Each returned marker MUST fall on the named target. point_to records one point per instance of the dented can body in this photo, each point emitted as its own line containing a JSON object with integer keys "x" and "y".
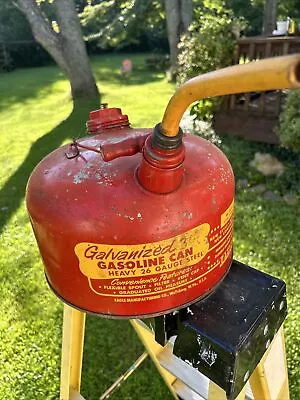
{"x": 114, "y": 248}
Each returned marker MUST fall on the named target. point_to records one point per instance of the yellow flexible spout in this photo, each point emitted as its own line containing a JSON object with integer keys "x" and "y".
{"x": 269, "y": 74}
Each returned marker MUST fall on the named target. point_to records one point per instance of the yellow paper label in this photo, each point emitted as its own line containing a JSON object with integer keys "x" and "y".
{"x": 143, "y": 272}
{"x": 102, "y": 261}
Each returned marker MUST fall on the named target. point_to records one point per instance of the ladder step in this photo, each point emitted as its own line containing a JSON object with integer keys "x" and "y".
{"x": 184, "y": 392}
{"x": 188, "y": 375}
{"x": 190, "y": 382}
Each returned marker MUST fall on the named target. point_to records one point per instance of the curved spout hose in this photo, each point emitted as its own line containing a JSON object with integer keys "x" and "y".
{"x": 268, "y": 74}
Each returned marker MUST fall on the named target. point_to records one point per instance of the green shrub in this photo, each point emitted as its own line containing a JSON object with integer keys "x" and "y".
{"x": 207, "y": 46}
{"x": 289, "y": 122}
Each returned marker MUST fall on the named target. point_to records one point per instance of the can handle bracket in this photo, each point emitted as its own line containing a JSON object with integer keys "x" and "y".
{"x": 111, "y": 150}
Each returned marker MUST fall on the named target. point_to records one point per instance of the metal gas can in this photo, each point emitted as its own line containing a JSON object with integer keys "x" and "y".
{"x": 139, "y": 222}
{"x": 128, "y": 226}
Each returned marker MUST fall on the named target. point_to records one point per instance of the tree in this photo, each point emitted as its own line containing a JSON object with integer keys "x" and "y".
{"x": 117, "y": 24}
{"x": 179, "y": 15}
{"x": 64, "y": 44}
{"x": 270, "y": 14}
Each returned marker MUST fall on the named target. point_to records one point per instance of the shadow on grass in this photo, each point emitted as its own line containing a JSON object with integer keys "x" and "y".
{"x": 13, "y": 191}
{"x": 23, "y": 84}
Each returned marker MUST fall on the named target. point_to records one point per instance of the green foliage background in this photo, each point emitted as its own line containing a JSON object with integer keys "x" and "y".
{"x": 139, "y": 25}
{"x": 116, "y": 25}
{"x": 289, "y": 129}
{"x": 209, "y": 43}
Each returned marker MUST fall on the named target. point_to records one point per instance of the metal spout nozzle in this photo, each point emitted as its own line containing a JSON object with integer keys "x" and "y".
{"x": 268, "y": 74}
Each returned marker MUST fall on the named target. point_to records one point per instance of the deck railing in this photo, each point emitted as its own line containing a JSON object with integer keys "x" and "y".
{"x": 254, "y": 48}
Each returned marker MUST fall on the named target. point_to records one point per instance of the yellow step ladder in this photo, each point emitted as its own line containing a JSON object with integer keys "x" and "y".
{"x": 268, "y": 380}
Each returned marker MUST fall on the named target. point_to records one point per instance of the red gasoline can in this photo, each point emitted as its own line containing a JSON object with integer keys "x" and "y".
{"x": 129, "y": 224}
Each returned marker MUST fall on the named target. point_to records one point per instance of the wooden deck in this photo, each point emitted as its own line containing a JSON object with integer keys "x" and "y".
{"x": 254, "y": 116}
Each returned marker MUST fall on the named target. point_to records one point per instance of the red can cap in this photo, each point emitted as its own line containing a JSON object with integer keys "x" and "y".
{"x": 106, "y": 118}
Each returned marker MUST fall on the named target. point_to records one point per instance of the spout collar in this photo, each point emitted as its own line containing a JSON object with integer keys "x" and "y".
{"x": 163, "y": 142}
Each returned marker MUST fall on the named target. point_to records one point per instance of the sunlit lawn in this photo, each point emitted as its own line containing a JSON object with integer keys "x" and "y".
{"x": 33, "y": 104}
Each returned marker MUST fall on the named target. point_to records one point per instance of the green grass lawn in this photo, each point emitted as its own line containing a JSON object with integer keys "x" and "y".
{"x": 36, "y": 116}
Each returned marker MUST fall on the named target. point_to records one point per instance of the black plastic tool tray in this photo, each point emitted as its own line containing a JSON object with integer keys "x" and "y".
{"x": 225, "y": 335}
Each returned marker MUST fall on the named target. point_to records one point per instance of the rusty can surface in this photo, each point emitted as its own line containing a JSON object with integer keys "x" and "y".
{"x": 137, "y": 230}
